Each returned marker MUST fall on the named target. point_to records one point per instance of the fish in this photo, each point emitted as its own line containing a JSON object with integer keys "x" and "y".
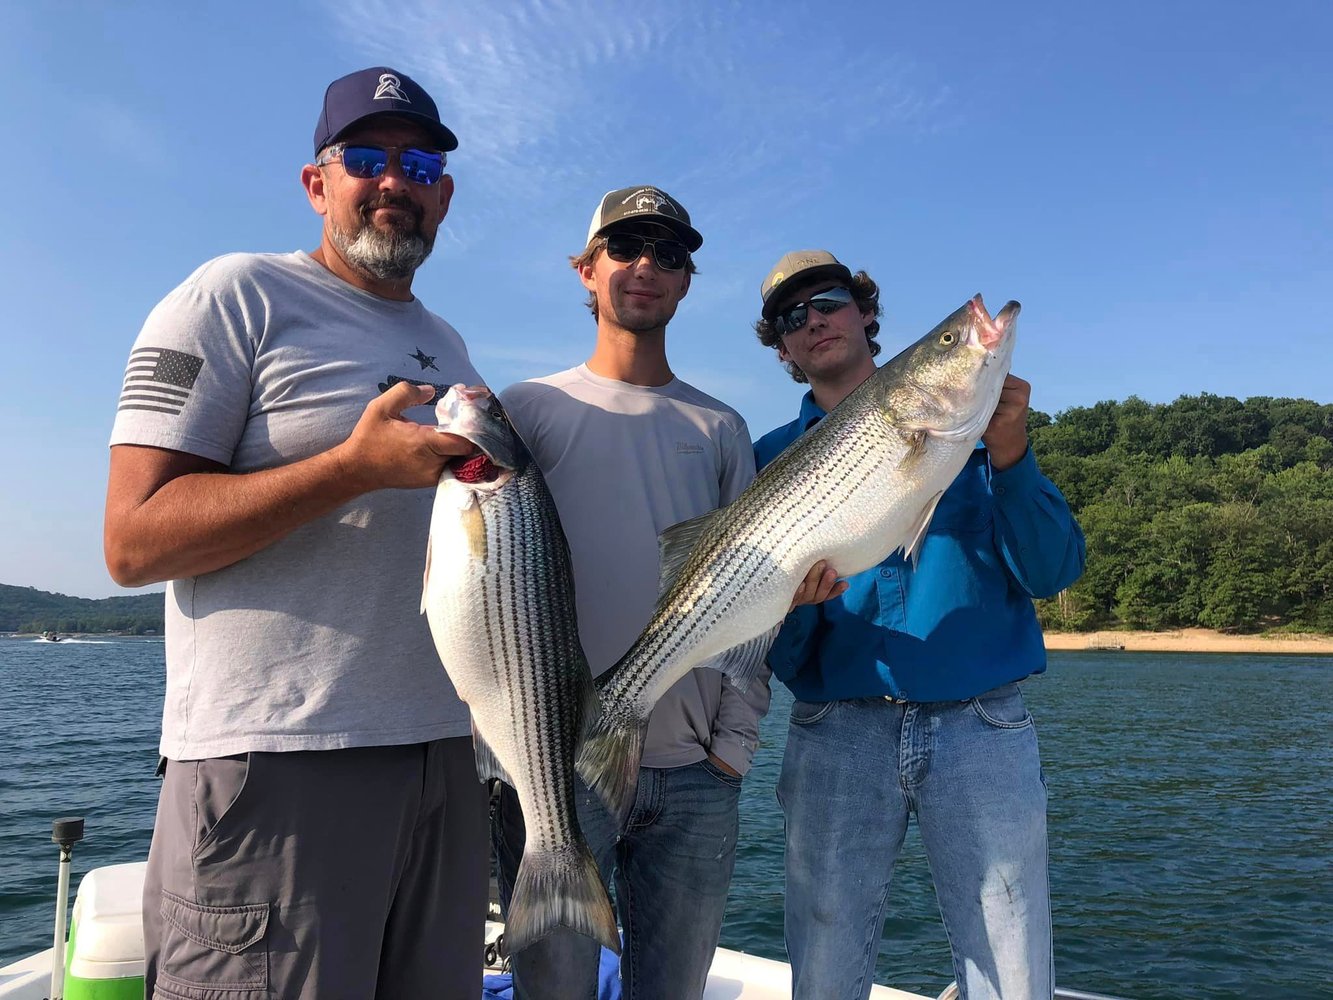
{"x": 859, "y": 485}
{"x": 498, "y": 593}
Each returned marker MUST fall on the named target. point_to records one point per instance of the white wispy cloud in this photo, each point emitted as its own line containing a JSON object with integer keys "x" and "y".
{"x": 719, "y": 101}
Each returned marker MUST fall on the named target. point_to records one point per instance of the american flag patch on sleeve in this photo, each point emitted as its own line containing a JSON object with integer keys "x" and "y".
{"x": 159, "y": 380}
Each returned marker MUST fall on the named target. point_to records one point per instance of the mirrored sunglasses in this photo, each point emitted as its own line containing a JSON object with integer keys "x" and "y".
{"x": 626, "y": 248}
{"x": 825, "y": 303}
{"x": 421, "y": 166}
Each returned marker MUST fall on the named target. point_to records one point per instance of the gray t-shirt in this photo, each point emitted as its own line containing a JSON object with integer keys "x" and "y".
{"x": 315, "y": 642}
{"x": 625, "y": 462}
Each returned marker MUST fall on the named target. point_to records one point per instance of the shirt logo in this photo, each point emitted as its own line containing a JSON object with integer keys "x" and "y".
{"x": 390, "y": 88}
{"x": 686, "y": 448}
{"x": 392, "y": 380}
{"x": 159, "y": 380}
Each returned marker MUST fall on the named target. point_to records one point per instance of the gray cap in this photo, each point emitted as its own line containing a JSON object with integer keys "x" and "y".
{"x": 804, "y": 264}
{"x": 647, "y": 203}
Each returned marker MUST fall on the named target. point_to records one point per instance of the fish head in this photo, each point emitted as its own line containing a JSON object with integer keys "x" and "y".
{"x": 475, "y": 414}
{"x": 948, "y": 383}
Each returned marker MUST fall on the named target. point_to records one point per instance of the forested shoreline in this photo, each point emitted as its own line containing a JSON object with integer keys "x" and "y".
{"x": 26, "y": 609}
{"x": 1206, "y": 512}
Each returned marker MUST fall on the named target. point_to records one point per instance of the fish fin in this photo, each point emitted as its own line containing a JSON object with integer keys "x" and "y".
{"x": 560, "y": 888}
{"x": 609, "y": 763}
{"x": 742, "y": 662}
{"x": 912, "y": 548}
{"x": 425, "y": 577}
{"x": 916, "y": 447}
{"x": 590, "y": 704}
{"x": 474, "y": 526}
{"x": 674, "y": 547}
{"x": 488, "y": 765}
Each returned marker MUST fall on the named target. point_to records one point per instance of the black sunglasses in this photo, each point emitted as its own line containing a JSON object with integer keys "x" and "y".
{"x": 421, "y": 166}
{"x": 825, "y": 303}
{"x": 626, "y": 248}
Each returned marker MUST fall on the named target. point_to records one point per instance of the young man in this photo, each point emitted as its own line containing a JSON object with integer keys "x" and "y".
{"x": 907, "y": 700}
{"x": 629, "y": 450}
{"x": 321, "y": 830}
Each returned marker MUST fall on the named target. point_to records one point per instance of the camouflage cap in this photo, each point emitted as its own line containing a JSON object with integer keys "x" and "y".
{"x": 647, "y": 203}
{"x": 805, "y": 264}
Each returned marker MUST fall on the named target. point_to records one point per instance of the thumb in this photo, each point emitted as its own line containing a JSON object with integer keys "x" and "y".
{"x": 403, "y": 394}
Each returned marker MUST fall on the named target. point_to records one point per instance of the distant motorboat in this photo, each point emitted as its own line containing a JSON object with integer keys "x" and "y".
{"x": 50, "y": 636}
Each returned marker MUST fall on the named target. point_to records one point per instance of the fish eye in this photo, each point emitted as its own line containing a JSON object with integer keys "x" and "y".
{"x": 947, "y": 338}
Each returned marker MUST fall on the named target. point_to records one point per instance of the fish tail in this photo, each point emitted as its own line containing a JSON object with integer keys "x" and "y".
{"x": 609, "y": 763}
{"x": 560, "y": 888}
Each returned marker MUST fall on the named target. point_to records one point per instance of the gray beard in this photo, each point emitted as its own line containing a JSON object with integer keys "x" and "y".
{"x": 389, "y": 256}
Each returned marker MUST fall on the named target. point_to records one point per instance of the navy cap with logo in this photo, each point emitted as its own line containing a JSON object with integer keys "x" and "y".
{"x": 378, "y": 91}
{"x": 808, "y": 265}
{"x": 644, "y": 204}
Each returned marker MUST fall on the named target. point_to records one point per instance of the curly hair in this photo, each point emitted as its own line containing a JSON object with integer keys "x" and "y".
{"x": 865, "y": 294}
{"x": 590, "y": 254}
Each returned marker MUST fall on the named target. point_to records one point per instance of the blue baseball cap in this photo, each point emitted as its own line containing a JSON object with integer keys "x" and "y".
{"x": 378, "y": 91}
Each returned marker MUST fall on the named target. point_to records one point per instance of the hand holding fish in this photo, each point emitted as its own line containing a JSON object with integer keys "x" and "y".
{"x": 385, "y": 451}
{"x": 1006, "y": 437}
{"x": 820, "y": 584}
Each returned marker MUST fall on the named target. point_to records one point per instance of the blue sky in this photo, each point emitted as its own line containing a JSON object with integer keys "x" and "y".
{"x": 1150, "y": 179}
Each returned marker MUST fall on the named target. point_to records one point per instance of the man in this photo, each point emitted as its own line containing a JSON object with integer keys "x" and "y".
{"x": 321, "y": 830}
{"x": 906, "y": 690}
{"x": 628, "y": 450}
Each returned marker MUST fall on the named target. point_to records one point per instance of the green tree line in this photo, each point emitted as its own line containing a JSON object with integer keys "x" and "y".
{"x": 26, "y": 609}
{"x": 1207, "y": 511}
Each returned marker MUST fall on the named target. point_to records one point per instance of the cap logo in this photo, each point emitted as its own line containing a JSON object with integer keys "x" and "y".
{"x": 807, "y": 261}
{"x": 776, "y": 280}
{"x": 390, "y": 88}
{"x": 650, "y": 200}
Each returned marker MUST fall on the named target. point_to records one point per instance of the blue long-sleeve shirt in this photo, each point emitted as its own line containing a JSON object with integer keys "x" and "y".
{"x": 962, "y": 621}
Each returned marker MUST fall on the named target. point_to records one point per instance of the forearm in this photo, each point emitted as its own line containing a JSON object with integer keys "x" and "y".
{"x": 1036, "y": 533}
{"x": 171, "y": 515}
{"x": 204, "y": 521}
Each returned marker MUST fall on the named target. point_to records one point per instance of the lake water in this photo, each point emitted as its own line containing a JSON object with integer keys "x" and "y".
{"x": 1190, "y": 804}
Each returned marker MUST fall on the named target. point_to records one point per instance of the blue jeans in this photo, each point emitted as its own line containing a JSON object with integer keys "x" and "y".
{"x": 852, "y": 773}
{"x": 671, "y": 868}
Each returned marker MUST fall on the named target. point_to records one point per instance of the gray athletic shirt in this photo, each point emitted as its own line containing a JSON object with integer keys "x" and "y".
{"x": 625, "y": 462}
{"x": 315, "y": 642}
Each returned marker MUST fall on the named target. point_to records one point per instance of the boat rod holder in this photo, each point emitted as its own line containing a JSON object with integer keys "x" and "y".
{"x": 65, "y": 832}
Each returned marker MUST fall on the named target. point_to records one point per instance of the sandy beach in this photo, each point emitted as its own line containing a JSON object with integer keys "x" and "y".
{"x": 1190, "y": 640}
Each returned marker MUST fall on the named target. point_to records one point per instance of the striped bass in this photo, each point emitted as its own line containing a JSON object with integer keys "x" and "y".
{"x": 856, "y": 487}
{"x": 499, "y": 596}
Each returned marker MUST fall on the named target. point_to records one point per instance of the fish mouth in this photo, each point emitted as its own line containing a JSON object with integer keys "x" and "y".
{"x": 990, "y": 333}
{"x": 474, "y": 469}
{"x": 470, "y": 413}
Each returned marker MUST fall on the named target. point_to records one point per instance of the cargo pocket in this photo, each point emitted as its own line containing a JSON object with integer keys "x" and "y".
{"x": 208, "y": 950}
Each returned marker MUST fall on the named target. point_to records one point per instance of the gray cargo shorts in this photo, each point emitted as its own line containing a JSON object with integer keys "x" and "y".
{"x": 352, "y": 873}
